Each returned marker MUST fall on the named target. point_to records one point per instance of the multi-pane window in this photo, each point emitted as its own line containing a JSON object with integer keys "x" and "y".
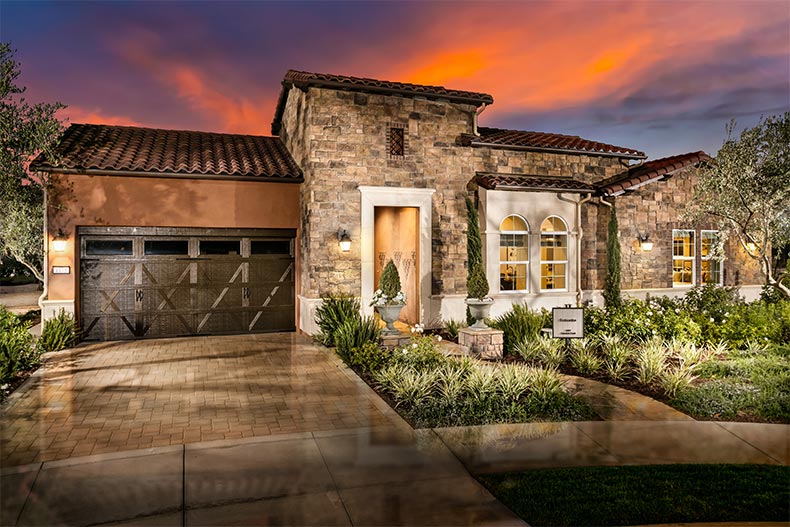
{"x": 553, "y": 254}
{"x": 682, "y": 257}
{"x": 513, "y": 254}
{"x": 710, "y": 266}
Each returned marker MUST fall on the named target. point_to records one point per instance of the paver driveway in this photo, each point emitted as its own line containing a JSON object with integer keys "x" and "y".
{"x": 117, "y": 396}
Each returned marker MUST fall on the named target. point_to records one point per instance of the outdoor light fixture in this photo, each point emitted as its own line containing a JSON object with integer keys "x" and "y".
{"x": 644, "y": 243}
{"x": 344, "y": 240}
{"x": 751, "y": 246}
{"x": 59, "y": 242}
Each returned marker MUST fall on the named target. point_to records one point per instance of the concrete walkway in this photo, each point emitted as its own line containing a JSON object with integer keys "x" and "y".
{"x": 21, "y": 298}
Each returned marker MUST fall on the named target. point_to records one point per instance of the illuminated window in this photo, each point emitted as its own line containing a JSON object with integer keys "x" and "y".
{"x": 513, "y": 254}
{"x": 710, "y": 266}
{"x": 553, "y": 254}
{"x": 682, "y": 257}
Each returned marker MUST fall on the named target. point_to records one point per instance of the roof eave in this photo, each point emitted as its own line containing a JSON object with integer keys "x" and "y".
{"x": 169, "y": 175}
{"x": 557, "y": 150}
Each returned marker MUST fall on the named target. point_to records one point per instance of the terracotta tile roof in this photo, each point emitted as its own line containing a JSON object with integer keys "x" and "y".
{"x": 304, "y": 79}
{"x": 522, "y": 140}
{"x": 493, "y": 181}
{"x": 654, "y": 170}
{"x": 92, "y": 148}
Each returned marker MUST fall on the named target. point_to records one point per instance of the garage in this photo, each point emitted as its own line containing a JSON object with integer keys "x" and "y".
{"x": 149, "y": 282}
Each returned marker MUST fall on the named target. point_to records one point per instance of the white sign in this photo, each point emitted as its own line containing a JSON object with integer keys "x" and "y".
{"x": 568, "y": 322}
{"x": 61, "y": 269}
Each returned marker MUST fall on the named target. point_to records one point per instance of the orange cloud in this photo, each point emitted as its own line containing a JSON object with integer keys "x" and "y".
{"x": 543, "y": 56}
{"x": 78, "y": 114}
{"x": 201, "y": 90}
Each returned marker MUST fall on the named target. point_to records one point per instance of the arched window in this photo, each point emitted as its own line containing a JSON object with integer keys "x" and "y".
{"x": 513, "y": 254}
{"x": 553, "y": 254}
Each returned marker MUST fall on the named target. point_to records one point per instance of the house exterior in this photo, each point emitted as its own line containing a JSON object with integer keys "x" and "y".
{"x": 173, "y": 232}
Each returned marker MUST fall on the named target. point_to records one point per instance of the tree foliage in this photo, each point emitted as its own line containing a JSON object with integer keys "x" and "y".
{"x": 25, "y": 131}
{"x": 746, "y": 193}
{"x": 611, "y": 292}
{"x": 476, "y": 281}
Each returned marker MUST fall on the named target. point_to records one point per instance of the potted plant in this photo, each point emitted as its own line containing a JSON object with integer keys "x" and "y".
{"x": 388, "y": 298}
{"x": 477, "y": 299}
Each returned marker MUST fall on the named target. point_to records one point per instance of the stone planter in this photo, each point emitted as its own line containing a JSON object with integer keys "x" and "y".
{"x": 479, "y": 309}
{"x": 389, "y": 314}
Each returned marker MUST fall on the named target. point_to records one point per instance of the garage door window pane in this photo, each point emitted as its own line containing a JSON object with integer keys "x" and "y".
{"x": 108, "y": 247}
{"x": 166, "y": 247}
{"x": 220, "y": 247}
{"x": 270, "y": 247}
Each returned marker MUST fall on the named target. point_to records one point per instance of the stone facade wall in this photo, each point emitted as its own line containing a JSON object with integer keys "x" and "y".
{"x": 655, "y": 209}
{"x": 340, "y": 141}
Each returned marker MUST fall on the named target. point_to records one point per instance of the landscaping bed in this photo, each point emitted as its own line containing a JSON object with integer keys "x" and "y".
{"x": 710, "y": 354}
{"x": 430, "y": 389}
{"x": 649, "y": 494}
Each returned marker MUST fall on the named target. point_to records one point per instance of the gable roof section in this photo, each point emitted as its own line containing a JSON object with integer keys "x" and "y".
{"x": 494, "y": 181}
{"x": 305, "y": 79}
{"x": 650, "y": 171}
{"x": 128, "y": 150}
{"x": 542, "y": 141}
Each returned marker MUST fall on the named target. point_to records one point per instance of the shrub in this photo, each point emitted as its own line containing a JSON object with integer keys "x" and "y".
{"x": 421, "y": 354}
{"x": 452, "y": 327}
{"x": 616, "y": 354}
{"x": 370, "y": 357}
{"x": 551, "y": 351}
{"x": 477, "y": 283}
{"x": 354, "y": 333}
{"x": 584, "y": 357}
{"x": 390, "y": 280}
{"x": 17, "y": 352}
{"x": 334, "y": 310}
{"x": 650, "y": 361}
{"x": 673, "y": 380}
{"x": 520, "y": 324}
{"x": 58, "y": 333}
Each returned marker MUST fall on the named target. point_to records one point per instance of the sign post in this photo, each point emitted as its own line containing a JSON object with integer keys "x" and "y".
{"x": 567, "y": 322}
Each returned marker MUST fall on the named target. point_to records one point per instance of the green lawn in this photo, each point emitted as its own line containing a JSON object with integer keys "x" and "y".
{"x": 650, "y": 494}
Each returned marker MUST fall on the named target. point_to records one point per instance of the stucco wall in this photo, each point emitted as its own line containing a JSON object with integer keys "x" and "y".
{"x": 81, "y": 200}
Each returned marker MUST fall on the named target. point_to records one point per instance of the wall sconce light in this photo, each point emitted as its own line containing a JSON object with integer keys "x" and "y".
{"x": 644, "y": 243}
{"x": 751, "y": 247}
{"x": 344, "y": 240}
{"x": 59, "y": 241}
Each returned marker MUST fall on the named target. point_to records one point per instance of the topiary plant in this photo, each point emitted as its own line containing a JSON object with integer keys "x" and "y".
{"x": 390, "y": 280}
{"x": 477, "y": 284}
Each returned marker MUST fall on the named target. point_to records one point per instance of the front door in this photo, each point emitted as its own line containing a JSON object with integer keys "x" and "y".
{"x": 397, "y": 237}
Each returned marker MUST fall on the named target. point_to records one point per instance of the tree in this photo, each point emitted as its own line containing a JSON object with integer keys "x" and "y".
{"x": 611, "y": 292}
{"x": 25, "y": 131}
{"x": 746, "y": 193}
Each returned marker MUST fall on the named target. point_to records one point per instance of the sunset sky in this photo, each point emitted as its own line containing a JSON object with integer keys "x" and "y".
{"x": 663, "y": 77}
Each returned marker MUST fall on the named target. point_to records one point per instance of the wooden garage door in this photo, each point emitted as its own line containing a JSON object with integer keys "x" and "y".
{"x": 165, "y": 282}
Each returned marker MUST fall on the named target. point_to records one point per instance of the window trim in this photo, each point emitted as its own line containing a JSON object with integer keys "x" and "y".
{"x": 692, "y": 259}
{"x": 565, "y": 233}
{"x": 709, "y": 258}
{"x": 526, "y": 233}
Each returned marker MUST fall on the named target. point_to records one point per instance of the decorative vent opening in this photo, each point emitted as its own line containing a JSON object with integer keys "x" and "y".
{"x": 397, "y": 140}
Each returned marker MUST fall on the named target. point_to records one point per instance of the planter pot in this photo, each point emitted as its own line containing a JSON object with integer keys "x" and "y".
{"x": 389, "y": 314}
{"x": 479, "y": 309}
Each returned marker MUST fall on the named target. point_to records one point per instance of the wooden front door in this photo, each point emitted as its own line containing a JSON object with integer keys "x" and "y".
{"x": 397, "y": 237}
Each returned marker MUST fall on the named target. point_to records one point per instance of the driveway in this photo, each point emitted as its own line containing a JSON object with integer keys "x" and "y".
{"x": 242, "y": 430}
{"x": 118, "y": 396}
